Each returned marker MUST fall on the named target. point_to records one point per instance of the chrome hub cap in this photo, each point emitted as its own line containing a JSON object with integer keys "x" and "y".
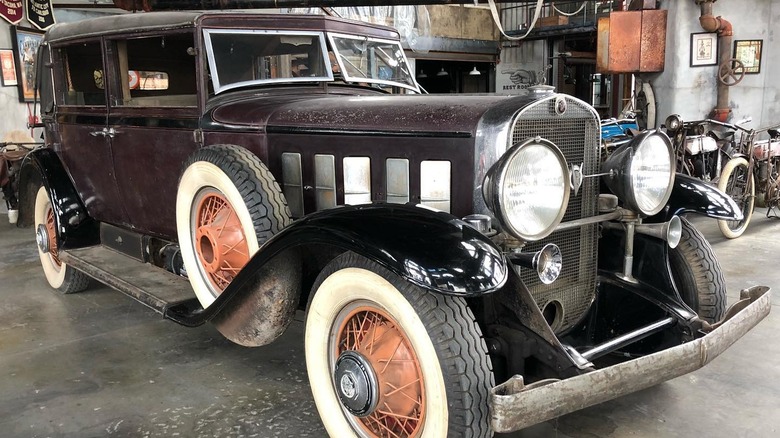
{"x": 356, "y": 384}
{"x": 42, "y": 238}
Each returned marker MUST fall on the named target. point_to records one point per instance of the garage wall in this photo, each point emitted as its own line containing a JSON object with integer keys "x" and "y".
{"x": 691, "y": 91}
{"x": 14, "y": 114}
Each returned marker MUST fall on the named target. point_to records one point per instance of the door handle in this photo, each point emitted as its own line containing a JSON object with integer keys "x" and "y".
{"x": 105, "y": 132}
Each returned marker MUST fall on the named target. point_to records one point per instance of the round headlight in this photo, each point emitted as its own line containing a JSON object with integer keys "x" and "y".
{"x": 652, "y": 172}
{"x": 641, "y": 172}
{"x": 528, "y": 189}
{"x": 673, "y": 123}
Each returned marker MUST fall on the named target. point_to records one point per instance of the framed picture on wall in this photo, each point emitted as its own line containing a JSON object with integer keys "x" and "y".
{"x": 749, "y": 52}
{"x": 8, "y": 67}
{"x": 25, "y": 42}
{"x": 704, "y": 49}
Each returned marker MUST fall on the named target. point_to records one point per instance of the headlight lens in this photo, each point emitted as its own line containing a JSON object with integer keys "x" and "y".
{"x": 641, "y": 173}
{"x": 673, "y": 123}
{"x": 651, "y": 172}
{"x": 528, "y": 189}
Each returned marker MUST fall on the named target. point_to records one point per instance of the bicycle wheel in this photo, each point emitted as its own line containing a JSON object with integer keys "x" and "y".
{"x": 736, "y": 183}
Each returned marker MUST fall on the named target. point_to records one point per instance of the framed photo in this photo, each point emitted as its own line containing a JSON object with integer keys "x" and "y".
{"x": 749, "y": 52}
{"x": 704, "y": 49}
{"x": 8, "y": 67}
{"x": 25, "y": 42}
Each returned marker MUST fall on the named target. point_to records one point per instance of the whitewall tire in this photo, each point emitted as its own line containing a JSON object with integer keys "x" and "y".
{"x": 60, "y": 276}
{"x": 227, "y": 205}
{"x": 362, "y": 317}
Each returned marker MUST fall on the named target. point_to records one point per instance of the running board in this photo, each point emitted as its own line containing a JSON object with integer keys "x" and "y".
{"x": 152, "y": 286}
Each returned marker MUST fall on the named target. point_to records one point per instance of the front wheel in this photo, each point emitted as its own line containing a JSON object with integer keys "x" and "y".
{"x": 698, "y": 275}
{"x": 60, "y": 276}
{"x": 735, "y": 182}
{"x": 386, "y": 358}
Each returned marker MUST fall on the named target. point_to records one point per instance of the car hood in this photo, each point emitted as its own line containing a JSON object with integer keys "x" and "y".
{"x": 385, "y": 113}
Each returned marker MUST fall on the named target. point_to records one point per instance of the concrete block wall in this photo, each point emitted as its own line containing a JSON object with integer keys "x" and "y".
{"x": 691, "y": 91}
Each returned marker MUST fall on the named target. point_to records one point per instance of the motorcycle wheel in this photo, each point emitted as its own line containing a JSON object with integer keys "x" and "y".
{"x": 735, "y": 182}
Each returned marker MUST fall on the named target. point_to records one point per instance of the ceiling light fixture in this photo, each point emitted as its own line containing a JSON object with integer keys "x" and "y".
{"x": 442, "y": 73}
{"x": 474, "y": 72}
{"x": 422, "y": 74}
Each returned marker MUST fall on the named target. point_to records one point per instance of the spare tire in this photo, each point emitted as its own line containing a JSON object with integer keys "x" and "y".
{"x": 228, "y": 204}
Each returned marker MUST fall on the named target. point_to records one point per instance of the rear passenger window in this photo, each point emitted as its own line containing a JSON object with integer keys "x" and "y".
{"x": 157, "y": 71}
{"x": 83, "y": 75}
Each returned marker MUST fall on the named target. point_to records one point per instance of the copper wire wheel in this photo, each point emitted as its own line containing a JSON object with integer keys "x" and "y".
{"x": 52, "y": 232}
{"x": 400, "y": 411}
{"x": 219, "y": 240}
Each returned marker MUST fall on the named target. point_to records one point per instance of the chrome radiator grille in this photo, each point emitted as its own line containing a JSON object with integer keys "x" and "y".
{"x": 576, "y": 133}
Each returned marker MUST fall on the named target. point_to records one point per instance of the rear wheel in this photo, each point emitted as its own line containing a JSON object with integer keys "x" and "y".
{"x": 735, "y": 182}
{"x": 388, "y": 359}
{"x": 227, "y": 205}
{"x": 60, "y": 276}
{"x": 698, "y": 275}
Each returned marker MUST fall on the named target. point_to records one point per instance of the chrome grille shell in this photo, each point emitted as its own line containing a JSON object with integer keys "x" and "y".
{"x": 576, "y": 133}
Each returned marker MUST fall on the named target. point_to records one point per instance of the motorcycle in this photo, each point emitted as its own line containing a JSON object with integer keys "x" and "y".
{"x": 11, "y": 156}
{"x": 752, "y": 178}
{"x": 703, "y": 147}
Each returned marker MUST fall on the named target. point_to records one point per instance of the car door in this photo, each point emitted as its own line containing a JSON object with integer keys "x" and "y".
{"x": 81, "y": 113}
{"x": 152, "y": 122}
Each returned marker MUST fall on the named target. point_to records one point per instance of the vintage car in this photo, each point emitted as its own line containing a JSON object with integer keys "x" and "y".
{"x": 467, "y": 264}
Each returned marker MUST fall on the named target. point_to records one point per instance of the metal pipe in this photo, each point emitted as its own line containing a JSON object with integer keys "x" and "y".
{"x": 615, "y": 215}
{"x": 628, "y": 257}
{"x": 725, "y": 30}
{"x": 628, "y": 338}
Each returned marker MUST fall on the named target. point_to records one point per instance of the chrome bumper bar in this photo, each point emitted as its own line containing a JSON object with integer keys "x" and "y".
{"x": 514, "y": 405}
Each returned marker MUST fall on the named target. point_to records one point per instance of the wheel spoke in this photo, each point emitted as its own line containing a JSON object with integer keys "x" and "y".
{"x": 221, "y": 243}
{"x": 381, "y": 341}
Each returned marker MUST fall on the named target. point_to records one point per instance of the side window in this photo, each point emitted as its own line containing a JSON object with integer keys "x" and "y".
{"x": 157, "y": 71}
{"x": 81, "y": 75}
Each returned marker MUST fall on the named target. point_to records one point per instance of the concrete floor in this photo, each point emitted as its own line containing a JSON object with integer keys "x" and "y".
{"x": 98, "y": 364}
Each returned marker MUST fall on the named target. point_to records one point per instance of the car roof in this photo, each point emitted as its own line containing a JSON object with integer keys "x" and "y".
{"x": 156, "y": 21}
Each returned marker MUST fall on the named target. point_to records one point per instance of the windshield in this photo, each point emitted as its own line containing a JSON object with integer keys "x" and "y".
{"x": 372, "y": 60}
{"x": 239, "y": 58}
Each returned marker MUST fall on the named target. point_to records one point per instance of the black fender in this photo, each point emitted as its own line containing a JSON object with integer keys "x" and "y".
{"x": 692, "y": 195}
{"x": 433, "y": 250}
{"x": 75, "y": 228}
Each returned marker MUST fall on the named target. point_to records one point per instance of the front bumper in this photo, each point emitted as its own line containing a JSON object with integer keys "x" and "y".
{"x": 514, "y": 405}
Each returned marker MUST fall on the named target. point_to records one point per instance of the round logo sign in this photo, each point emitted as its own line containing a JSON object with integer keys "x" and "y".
{"x": 560, "y": 105}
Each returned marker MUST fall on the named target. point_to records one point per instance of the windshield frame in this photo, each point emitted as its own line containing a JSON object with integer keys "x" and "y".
{"x": 212, "y": 61}
{"x": 347, "y": 77}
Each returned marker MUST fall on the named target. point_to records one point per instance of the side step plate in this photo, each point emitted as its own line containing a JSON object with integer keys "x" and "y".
{"x": 150, "y": 285}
